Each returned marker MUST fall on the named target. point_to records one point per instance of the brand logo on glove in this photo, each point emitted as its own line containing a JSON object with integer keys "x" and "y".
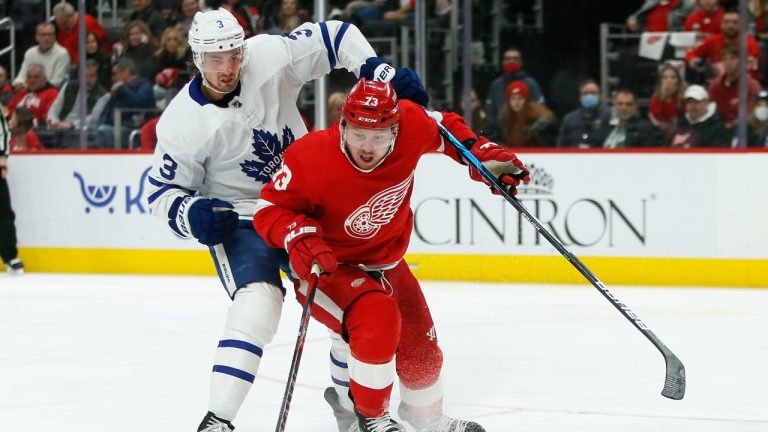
{"x": 357, "y": 282}
{"x": 384, "y": 73}
{"x": 366, "y": 221}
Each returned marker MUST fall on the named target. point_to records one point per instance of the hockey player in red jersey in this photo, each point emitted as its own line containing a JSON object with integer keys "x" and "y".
{"x": 341, "y": 200}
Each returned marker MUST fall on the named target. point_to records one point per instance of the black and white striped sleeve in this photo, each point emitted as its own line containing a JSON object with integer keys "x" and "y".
{"x": 5, "y": 136}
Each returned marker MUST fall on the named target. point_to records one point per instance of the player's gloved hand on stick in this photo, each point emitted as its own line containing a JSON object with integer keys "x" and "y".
{"x": 305, "y": 245}
{"x": 211, "y": 220}
{"x": 405, "y": 81}
{"x": 502, "y": 163}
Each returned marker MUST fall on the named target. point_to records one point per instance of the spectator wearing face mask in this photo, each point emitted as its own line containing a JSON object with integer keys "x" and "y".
{"x": 757, "y": 135}
{"x": 587, "y": 126}
{"x": 512, "y": 66}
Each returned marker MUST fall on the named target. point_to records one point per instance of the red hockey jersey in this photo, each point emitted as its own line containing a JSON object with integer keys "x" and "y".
{"x": 366, "y": 217}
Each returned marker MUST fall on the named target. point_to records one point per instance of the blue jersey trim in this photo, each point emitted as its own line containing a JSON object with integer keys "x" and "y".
{"x": 173, "y": 212}
{"x": 196, "y": 93}
{"x": 340, "y": 382}
{"x": 339, "y": 36}
{"x": 237, "y": 373}
{"x": 328, "y": 47}
{"x": 243, "y": 345}
{"x": 338, "y": 363}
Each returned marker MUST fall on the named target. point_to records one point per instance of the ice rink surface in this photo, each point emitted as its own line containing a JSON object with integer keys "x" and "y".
{"x": 126, "y": 354}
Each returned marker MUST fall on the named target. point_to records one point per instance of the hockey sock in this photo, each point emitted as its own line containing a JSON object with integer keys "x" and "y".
{"x": 251, "y": 323}
{"x": 340, "y": 370}
{"x": 373, "y": 325}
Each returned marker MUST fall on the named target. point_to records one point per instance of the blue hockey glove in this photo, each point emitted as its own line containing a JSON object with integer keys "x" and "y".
{"x": 405, "y": 81}
{"x": 211, "y": 220}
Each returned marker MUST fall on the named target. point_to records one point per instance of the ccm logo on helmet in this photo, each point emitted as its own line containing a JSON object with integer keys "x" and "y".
{"x": 367, "y": 120}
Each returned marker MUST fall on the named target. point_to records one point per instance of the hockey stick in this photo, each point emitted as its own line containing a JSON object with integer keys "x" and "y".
{"x": 297, "y": 351}
{"x": 674, "y": 385}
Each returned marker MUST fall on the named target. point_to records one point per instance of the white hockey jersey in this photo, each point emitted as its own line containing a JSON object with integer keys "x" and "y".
{"x": 229, "y": 149}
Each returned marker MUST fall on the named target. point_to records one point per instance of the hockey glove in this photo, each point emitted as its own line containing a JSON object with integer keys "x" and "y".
{"x": 211, "y": 220}
{"x": 502, "y": 163}
{"x": 305, "y": 245}
{"x": 405, "y": 81}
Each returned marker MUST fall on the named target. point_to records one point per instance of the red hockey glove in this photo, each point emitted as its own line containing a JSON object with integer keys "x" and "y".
{"x": 502, "y": 163}
{"x": 305, "y": 245}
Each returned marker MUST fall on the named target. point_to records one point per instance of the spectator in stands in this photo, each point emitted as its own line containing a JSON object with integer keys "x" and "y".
{"x": 628, "y": 128}
{"x": 288, "y": 18}
{"x": 130, "y": 90}
{"x": 6, "y": 90}
{"x": 525, "y": 123}
{"x": 172, "y": 52}
{"x": 659, "y": 16}
{"x": 667, "y": 100}
{"x": 512, "y": 66}
{"x": 8, "y": 251}
{"x": 22, "y": 127}
{"x": 153, "y": 19}
{"x": 710, "y": 48}
{"x": 243, "y": 15}
{"x": 64, "y": 115}
{"x": 335, "y": 102}
{"x": 37, "y": 96}
{"x": 759, "y": 11}
{"x": 139, "y": 45}
{"x": 94, "y": 52}
{"x": 149, "y": 135}
{"x": 702, "y": 125}
{"x": 758, "y": 122}
{"x": 724, "y": 90}
{"x": 53, "y": 57}
{"x": 186, "y": 14}
{"x": 587, "y": 126}
{"x": 706, "y": 18}
{"x": 67, "y": 21}
{"x": 479, "y": 117}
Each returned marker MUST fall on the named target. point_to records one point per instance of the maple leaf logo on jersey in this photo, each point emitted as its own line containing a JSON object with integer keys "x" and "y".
{"x": 268, "y": 150}
{"x": 366, "y": 221}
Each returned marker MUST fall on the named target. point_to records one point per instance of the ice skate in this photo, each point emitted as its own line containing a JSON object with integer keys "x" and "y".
{"x": 211, "y": 423}
{"x": 15, "y": 267}
{"x": 344, "y": 418}
{"x": 442, "y": 423}
{"x": 376, "y": 424}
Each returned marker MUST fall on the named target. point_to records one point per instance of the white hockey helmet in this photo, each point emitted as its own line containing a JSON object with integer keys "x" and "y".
{"x": 215, "y": 30}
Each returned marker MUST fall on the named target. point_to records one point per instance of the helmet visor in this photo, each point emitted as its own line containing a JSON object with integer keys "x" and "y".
{"x": 222, "y": 61}
{"x": 358, "y": 138}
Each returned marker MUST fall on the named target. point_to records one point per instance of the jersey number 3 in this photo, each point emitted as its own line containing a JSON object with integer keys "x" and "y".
{"x": 168, "y": 171}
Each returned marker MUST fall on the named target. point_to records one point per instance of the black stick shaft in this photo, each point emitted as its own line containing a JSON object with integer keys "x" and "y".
{"x": 297, "y": 352}
{"x": 674, "y": 386}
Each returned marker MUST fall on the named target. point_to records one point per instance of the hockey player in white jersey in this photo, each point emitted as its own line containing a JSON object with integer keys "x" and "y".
{"x": 219, "y": 142}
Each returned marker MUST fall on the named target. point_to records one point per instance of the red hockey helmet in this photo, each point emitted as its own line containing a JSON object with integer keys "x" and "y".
{"x": 371, "y": 105}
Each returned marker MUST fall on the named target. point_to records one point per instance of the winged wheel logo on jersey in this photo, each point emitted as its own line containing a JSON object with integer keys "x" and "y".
{"x": 367, "y": 219}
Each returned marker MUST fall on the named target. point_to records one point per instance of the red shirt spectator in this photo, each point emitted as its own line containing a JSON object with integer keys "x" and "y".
{"x": 67, "y": 20}
{"x": 667, "y": 99}
{"x": 149, "y": 135}
{"x": 705, "y": 19}
{"x": 31, "y": 143}
{"x": 663, "y": 111}
{"x": 37, "y": 97}
{"x": 658, "y": 18}
{"x": 724, "y": 90}
{"x": 711, "y": 47}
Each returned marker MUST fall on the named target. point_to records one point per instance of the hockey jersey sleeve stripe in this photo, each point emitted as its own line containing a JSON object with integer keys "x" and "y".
{"x": 328, "y": 47}
{"x": 339, "y": 36}
{"x": 243, "y": 345}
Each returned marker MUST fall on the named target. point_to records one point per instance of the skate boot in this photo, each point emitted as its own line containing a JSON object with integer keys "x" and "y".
{"x": 375, "y": 424}
{"x": 442, "y": 423}
{"x": 15, "y": 267}
{"x": 344, "y": 418}
{"x": 211, "y": 423}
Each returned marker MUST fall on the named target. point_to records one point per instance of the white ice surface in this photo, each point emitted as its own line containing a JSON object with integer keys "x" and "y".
{"x": 126, "y": 354}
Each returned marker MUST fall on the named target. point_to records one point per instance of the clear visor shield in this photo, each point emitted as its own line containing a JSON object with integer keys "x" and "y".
{"x": 222, "y": 62}
{"x": 368, "y": 139}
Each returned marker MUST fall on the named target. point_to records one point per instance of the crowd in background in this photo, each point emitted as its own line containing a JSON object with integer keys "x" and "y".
{"x": 131, "y": 78}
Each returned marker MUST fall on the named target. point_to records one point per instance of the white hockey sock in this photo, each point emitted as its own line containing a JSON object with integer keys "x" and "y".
{"x": 422, "y": 405}
{"x": 251, "y": 323}
{"x": 340, "y": 370}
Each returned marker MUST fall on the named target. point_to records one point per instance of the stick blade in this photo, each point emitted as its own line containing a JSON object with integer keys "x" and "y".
{"x": 674, "y": 386}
